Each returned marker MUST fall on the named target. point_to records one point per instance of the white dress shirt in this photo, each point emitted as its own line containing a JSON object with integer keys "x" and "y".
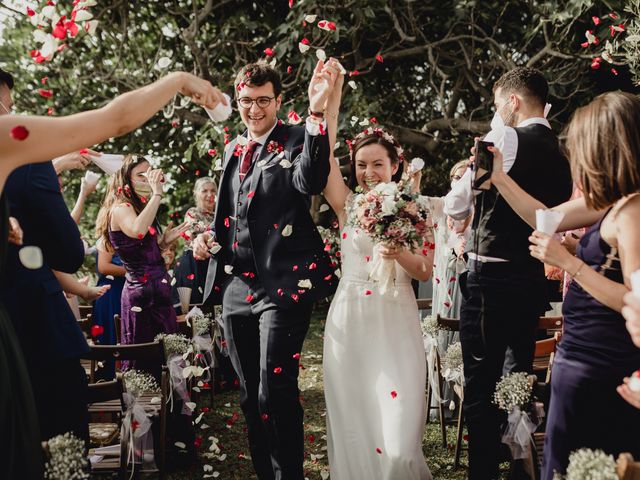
{"x": 458, "y": 204}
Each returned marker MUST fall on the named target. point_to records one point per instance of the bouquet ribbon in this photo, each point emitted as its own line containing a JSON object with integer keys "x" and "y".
{"x": 518, "y": 433}
{"x": 136, "y": 432}
{"x": 383, "y": 271}
{"x": 431, "y": 349}
{"x": 176, "y": 365}
{"x": 204, "y": 345}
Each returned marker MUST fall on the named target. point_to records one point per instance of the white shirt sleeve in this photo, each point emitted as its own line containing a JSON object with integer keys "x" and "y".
{"x": 508, "y": 145}
{"x": 459, "y": 201}
{"x": 316, "y": 128}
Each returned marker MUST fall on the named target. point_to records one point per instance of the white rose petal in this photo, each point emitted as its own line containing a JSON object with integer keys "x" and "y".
{"x": 303, "y": 48}
{"x": 222, "y": 457}
{"x": 306, "y": 283}
{"x": 191, "y": 405}
{"x": 287, "y": 231}
{"x": 31, "y": 257}
{"x": 39, "y": 36}
{"x": 320, "y": 53}
{"x": 173, "y": 281}
{"x": 49, "y": 12}
{"x": 110, "y": 277}
{"x": 323, "y": 208}
{"x": 163, "y": 62}
{"x": 207, "y": 468}
{"x": 352, "y": 84}
{"x": 83, "y": 15}
{"x": 180, "y": 445}
{"x": 310, "y": 18}
{"x": 417, "y": 164}
{"x": 228, "y": 269}
{"x": 285, "y": 163}
{"x": 91, "y": 26}
{"x": 136, "y": 309}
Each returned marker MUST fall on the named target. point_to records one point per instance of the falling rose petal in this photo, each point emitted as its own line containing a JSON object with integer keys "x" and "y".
{"x": 296, "y": 356}
{"x": 264, "y": 417}
{"x": 294, "y": 118}
{"x": 305, "y": 283}
{"x": 584, "y": 44}
{"x": 367, "y": 293}
{"x": 614, "y": 71}
{"x": 163, "y": 62}
{"x": 45, "y": 93}
{"x": 289, "y": 70}
{"x": 323, "y": 208}
{"x": 277, "y": 370}
{"x": 327, "y": 25}
{"x": 595, "y": 65}
{"x": 191, "y": 276}
{"x": 596, "y": 20}
{"x": 284, "y": 163}
{"x": 212, "y": 151}
{"x": 136, "y": 309}
{"x": 379, "y": 451}
{"x": 379, "y": 59}
{"x": 320, "y": 53}
{"x": 394, "y": 394}
{"x": 303, "y": 47}
{"x": 19, "y": 132}
{"x": 310, "y": 18}
{"x": 268, "y": 52}
{"x": 31, "y": 257}
{"x": 228, "y": 269}
{"x": 251, "y": 194}
{"x": 152, "y": 230}
{"x": 97, "y": 330}
{"x": 110, "y": 277}
{"x": 591, "y": 38}
{"x": 614, "y": 15}
{"x": 287, "y": 231}
{"x": 91, "y": 26}
{"x": 30, "y": 12}
{"x": 83, "y": 15}
{"x": 352, "y": 84}
{"x": 180, "y": 445}
{"x": 249, "y": 298}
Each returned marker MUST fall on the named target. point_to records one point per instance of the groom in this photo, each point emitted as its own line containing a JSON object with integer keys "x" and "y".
{"x": 267, "y": 261}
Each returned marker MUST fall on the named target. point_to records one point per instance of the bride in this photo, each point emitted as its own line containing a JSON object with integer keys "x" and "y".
{"x": 374, "y": 359}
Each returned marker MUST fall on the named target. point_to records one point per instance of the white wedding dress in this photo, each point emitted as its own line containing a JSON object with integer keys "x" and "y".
{"x": 374, "y": 373}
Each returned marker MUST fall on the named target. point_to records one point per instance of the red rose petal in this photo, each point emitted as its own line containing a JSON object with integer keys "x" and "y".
{"x": 268, "y": 52}
{"x": 152, "y": 230}
{"x": 19, "y": 133}
{"x": 45, "y": 93}
{"x": 264, "y": 417}
{"x": 367, "y": 293}
{"x": 277, "y": 370}
{"x": 97, "y": 330}
{"x": 296, "y": 356}
{"x": 379, "y": 451}
{"x": 394, "y": 394}
{"x": 379, "y": 58}
{"x": 191, "y": 276}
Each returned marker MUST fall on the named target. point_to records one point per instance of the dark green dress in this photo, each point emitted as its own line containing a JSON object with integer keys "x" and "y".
{"x": 20, "y": 448}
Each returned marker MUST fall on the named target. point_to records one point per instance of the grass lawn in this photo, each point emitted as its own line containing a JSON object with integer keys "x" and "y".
{"x": 226, "y": 423}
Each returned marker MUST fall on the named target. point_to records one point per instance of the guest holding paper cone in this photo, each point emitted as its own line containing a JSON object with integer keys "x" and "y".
{"x": 127, "y": 225}
{"x": 596, "y": 352}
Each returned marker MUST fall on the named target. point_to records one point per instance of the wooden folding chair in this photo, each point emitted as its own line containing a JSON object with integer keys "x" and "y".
{"x": 543, "y": 356}
{"x": 439, "y": 406}
{"x": 424, "y": 303}
{"x": 151, "y": 352}
{"x": 108, "y": 393}
{"x": 85, "y": 310}
{"x": 550, "y": 325}
{"x": 627, "y": 468}
{"x": 453, "y": 324}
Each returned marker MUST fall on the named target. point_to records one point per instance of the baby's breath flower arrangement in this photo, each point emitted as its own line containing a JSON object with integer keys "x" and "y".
{"x": 587, "y": 464}
{"x": 174, "y": 343}
{"x": 513, "y": 390}
{"x": 137, "y": 382}
{"x": 452, "y": 361}
{"x": 66, "y": 459}
{"x": 201, "y": 324}
{"x": 430, "y": 326}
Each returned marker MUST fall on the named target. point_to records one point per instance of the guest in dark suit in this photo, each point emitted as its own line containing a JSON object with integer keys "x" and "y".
{"x": 47, "y": 329}
{"x": 271, "y": 267}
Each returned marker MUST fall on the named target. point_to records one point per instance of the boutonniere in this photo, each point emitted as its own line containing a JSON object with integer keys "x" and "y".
{"x": 274, "y": 147}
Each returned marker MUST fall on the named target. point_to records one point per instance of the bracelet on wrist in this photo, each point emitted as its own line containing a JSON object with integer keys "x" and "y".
{"x": 578, "y": 271}
{"x": 316, "y": 114}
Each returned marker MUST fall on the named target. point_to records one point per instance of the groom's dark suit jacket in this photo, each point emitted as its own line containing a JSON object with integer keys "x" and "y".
{"x": 279, "y": 202}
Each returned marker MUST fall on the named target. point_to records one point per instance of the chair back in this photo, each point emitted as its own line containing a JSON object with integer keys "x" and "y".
{"x": 550, "y": 323}
{"x": 105, "y": 391}
{"x": 152, "y": 351}
{"x": 452, "y": 324}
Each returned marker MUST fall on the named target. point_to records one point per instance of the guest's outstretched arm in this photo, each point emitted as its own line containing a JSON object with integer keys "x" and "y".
{"x": 576, "y": 212}
{"x": 30, "y": 139}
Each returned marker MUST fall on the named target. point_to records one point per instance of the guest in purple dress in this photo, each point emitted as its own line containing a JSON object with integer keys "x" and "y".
{"x": 596, "y": 352}
{"x": 127, "y": 224}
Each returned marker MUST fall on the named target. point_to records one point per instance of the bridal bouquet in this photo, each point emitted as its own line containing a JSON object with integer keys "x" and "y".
{"x": 392, "y": 215}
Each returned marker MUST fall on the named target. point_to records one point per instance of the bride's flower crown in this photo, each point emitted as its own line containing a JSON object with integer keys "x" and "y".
{"x": 378, "y": 132}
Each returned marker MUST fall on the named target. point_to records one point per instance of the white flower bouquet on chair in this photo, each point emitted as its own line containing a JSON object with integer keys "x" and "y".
{"x": 586, "y": 463}
{"x": 514, "y": 395}
{"x": 392, "y": 215}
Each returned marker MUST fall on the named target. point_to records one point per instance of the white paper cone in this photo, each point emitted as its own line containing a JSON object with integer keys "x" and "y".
{"x": 91, "y": 178}
{"x": 547, "y": 221}
{"x": 108, "y": 163}
{"x": 221, "y": 112}
{"x": 185, "y": 298}
{"x": 635, "y": 283}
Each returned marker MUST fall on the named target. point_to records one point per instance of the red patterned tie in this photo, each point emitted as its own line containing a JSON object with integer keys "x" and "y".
{"x": 246, "y": 160}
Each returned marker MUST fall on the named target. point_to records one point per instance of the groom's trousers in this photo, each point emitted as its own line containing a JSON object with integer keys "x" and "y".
{"x": 500, "y": 310}
{"x": 264, "y": 343}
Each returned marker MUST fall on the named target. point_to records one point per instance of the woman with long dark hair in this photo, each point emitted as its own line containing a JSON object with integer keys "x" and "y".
{"x": 127, "y": 225}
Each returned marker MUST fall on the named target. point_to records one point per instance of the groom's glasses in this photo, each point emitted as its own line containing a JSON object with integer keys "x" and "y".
{"x": 247, "y": 102}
